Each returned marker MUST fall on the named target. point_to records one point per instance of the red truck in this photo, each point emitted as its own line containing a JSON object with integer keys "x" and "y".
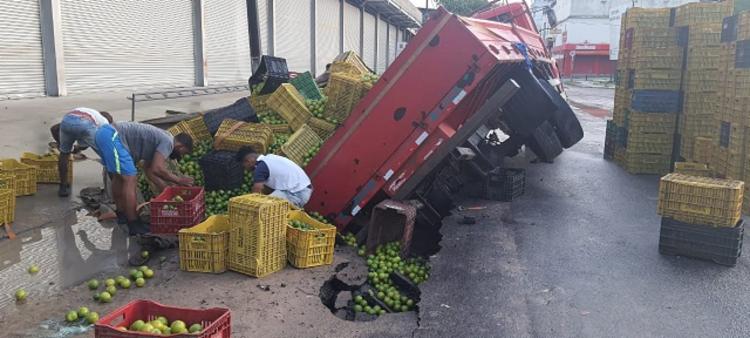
{"x": 458, "y": 79}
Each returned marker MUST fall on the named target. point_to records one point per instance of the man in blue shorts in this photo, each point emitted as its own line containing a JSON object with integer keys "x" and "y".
{"x": 74, "y": 134}
{"x": 124, "y": 144}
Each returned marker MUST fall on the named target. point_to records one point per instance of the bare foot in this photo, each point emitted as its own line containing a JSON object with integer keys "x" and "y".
{"x": 107, "y": 216}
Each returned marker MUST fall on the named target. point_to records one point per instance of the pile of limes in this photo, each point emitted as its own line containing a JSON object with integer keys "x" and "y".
{"x": 310, "y": 154}
{"x": 350, "y": 239}
{"x": 144, "y": 187}
{"x": 162, "y": 326}
{"x": 301, "y": 225}
{"x": 256, "y": 88}
{"x": 370, "y": 78}
{"x": 318, "y": 217}
{"x": 317, "y": 107}
{"x": 189, "y": 165}
{"x": 380, "y": 266}
{"x": 270, "y": 117}
{"x": 278, "y": 141}
{"x": 361, "y": 305}
{"x": 217, "y": 201}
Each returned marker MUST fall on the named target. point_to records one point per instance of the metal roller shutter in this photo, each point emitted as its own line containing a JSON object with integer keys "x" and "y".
{"x": 328, "y": 32}
{"x": 127, "y": 44}
{"x": 368, "y": 40}
{"x": 382, "y": 45}
{"x": 352, "y": 28}
{"x": 292, "y": 33}
{"x": 392, "y": 43}
{"x": 21, "y": 65}
{"x": 262, "y": 6}
{"x": 226, "y": 41}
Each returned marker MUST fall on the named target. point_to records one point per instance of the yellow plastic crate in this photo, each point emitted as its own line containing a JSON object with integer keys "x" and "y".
{"x": 279, "y": 128}
{"x": 344, "y": 68}
{"x": 344, "y": 92}
{"x": 204, "y": 247}
{"x": 701, "y": 200}
{"x": 323, "y": 128}
{"x": 290, "y": 105}
{"x": 352, "y": 58}
{"x": 260, "y": 103}
{"x": 297, "y": 146}
{"x": 6, "y": 196}
{"x": 702, "y": 149}
{"x": 650, "y": 143}
{"x": 195, "y": 127}
{"x": 309, "y": 248}
{"x": 233, "y": 135}
{"x": 643, "y": 164}
{"x": 25, "y": 176}
{"x": 8, "y": 181}
{"x": 257, "y": 241}
{"x": 46, "y": 167}
{"x": 692, "y": 169}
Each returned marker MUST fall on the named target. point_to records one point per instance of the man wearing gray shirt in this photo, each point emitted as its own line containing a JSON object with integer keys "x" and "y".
{"x": 124, "y": 144}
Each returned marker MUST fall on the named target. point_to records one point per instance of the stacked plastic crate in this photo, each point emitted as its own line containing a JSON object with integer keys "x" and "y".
{"x": 701, "y": 217}
{"x": 699, "y": 32}
{"x": 649, "y": 92}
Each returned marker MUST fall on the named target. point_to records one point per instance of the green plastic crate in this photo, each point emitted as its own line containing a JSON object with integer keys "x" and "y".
{"x": 305, "y": 84}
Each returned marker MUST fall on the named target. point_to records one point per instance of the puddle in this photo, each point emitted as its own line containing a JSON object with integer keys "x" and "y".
{"x": 68, "y": 251}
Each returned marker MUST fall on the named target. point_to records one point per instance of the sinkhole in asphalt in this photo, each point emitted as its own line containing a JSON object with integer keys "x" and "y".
{"x": 352, "y": 288}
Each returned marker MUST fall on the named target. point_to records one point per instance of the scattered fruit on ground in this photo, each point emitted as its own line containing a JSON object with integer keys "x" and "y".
{"x": 143, "y": 268}
{"x": 112, "y": 290}
{"x": 140, "y": 282}
{"x": 21, "y": 295}
{"x": 71, "y": 316}
{"x": 83, "y": 311}
{"x": 33, "y": 269}
{"x": 105, "y": 297}
{"x": 93, "y": 284}
{"x": 148, "y": 273}
{"x": 92, "y": 317}
{"x": 144, "y": 254}
{"x": 350, "y": 239}
{"x": 109, "y": 282}
{"x": 125, "y": 284}
{"x": 98, "y": 296}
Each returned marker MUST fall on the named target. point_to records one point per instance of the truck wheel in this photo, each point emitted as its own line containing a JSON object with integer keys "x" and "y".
{"x": 544, "y": 142}
{"x": 567, "y": 126}
{"x": 530, "y": 106}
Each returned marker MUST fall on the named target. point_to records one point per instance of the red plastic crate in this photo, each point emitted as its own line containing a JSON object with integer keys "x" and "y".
{"x": 179, "y": 214}
{"x": 216, "y": 322}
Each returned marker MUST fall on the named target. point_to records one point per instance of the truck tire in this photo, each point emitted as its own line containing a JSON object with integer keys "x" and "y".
{"x": 567, "y": 126}
{"x": 544, "y": 142}
{"x": 530, "y": 106}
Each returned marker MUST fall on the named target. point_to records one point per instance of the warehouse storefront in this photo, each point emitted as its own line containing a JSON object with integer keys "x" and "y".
{"x": 66, "y": 47}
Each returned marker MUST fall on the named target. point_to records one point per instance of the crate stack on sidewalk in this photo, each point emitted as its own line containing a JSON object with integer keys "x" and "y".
{"x": 699, "y": 31}
{"x": 648, "y": 95}
{"x": 701, "y": 217}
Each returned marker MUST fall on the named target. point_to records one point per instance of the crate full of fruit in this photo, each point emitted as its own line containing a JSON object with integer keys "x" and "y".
{"x": 309, "y": 242}
{"x": 144, "y": 318}
{"x": 176, "y": 208}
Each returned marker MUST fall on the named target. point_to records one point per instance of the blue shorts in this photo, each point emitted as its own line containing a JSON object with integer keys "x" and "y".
{"x": 115, "y": 157}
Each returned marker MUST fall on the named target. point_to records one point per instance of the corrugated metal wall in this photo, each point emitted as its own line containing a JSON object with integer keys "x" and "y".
{"x": 382, "y": 46}
{"x": 21, "y": 63}
{"x": 368, "y": 40}
{"x": 352, "y": 28}
{"x": 328, "y": 32}
{"x": 227, "y": 42}
{"x": 127, "y": 44}
{"x": 292, "y": 33}
{"x": 392, "y": 38}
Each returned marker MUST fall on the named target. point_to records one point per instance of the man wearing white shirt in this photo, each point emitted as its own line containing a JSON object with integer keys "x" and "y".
{"x": 279, "y": 173}
{"x": 78, "y": 126}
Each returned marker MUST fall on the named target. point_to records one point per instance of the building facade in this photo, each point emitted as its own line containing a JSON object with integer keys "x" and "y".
{"x": 66, "y": 47}
{"x": 580, "y": 36}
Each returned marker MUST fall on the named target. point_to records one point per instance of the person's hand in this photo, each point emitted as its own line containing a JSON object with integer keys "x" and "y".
{"x": 185, "y": 181}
